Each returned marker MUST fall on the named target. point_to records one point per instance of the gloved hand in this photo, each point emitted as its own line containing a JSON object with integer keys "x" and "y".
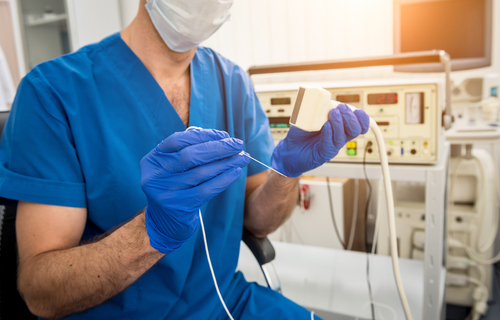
{"x": 182, "y": 173}
{"x": 302, "y": 151}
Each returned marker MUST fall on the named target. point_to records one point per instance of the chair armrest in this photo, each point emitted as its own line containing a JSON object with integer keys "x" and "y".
{"x": 261, "y": 248}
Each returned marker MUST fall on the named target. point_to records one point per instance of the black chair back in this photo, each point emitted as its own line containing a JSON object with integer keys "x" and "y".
{"x": 12, "y": 306}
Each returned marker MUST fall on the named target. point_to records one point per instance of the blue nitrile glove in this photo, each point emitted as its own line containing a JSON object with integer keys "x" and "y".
{"x": 182, "y": 173}
{"x": 302, "y": 151}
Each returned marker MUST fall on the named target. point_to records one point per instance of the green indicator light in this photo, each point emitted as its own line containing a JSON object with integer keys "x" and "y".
{"x": 381, "y": 110}
{"x": 351, "y": 152}
{"x": 390, "y": 142}
{"x": 272, "y": 125}
{"x": 282, "y": 125}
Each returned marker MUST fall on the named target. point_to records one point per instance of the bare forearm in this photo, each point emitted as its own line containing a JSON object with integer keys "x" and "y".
{"x": 271, "y": 204}
{"x": 62, "y": 282}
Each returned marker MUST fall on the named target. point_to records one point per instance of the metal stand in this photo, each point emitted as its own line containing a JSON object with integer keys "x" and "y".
{"x": 435, "y": 179}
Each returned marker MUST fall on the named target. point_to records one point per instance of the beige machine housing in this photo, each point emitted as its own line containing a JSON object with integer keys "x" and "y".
{"x": 407, "y": 111}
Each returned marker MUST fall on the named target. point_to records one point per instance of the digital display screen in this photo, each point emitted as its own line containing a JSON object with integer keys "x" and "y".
{"x": 280, "y": 101}
{"x": 279, "y": 122}
{"x": 383, "y": 98}
{"x": 346, "y": 98}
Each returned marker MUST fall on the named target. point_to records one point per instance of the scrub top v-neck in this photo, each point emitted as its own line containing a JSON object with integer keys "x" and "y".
{"x": 78, "y": 128}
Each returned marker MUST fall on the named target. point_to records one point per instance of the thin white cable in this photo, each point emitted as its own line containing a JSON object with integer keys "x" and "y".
{"x": 472, "y": 254}
{"x": 392, "y": 223}
{"x": 206, "y": 244}
{"x": 375, "y": 232}
{"x": 212, "y": 269}
{"x": 213, "y": 274}
{"x": 391, "y": 216}
{"x": 477, "y": 313}
{"x": 354, "y": 214}
{"x": 208, "y": 253}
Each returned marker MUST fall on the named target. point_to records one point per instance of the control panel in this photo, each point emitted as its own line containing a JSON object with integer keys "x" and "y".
{"x": 408, "y": 113}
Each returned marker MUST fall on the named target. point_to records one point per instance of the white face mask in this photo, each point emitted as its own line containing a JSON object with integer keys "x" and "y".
{"x": 184, "y": 24}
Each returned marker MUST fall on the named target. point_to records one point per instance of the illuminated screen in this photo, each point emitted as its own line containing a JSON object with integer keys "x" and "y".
{"x": 279, "y": 122}
{"x": 280, "y": 101}
{"x": 346, "y": 98}
{"x": 456, "y": 26}
{"x": 383, "y": 98}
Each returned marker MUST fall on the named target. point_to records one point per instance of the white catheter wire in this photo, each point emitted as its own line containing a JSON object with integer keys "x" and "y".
{"x": 206, "y": 244}
{"x": 212, "y": 269}
{"x": 391, "y": 216}
{"x": 243, "y": 153}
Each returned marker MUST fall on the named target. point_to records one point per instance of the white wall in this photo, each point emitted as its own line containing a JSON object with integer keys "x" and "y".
{"x": 128, "y": 11}
{"x": 92, "y": 20}
{"x": 283, "y": 31}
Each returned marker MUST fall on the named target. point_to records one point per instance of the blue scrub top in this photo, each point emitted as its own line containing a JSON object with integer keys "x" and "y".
{"x": 78, "y": 128}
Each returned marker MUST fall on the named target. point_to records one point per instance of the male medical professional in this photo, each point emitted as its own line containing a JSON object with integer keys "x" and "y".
{"x": 109, "y": 182}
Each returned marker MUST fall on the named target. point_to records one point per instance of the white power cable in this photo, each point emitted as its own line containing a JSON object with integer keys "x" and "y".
{"x": 391, "y": 216}
{"x": 480, "y": 306}
{"x": 482, "y": 212}
{"x": 481, "y": 207}
{"x": 454, "y": 243}
{"x": 495, "y": 170}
